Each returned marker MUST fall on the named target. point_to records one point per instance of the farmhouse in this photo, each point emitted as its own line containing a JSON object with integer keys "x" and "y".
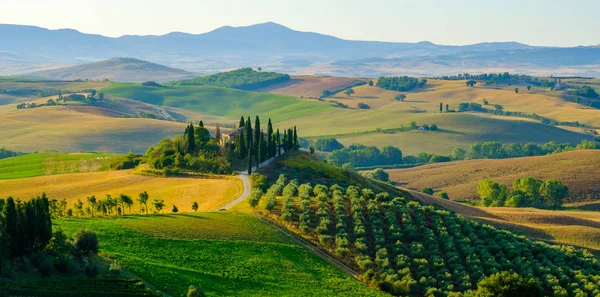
{"x": 229, "y": 136}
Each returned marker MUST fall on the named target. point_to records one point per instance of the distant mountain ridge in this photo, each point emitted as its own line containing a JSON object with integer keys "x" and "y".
{"x": 267, "y": 44}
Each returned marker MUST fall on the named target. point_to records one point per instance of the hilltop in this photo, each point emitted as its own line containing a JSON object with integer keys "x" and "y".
{"x": 577, "y": 169}
{"x": 115, "y": 69}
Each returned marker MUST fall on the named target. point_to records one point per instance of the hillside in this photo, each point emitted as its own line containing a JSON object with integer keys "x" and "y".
{"x": 116, "y": 69}
{"x": 217, "y": 101}
{"x": 578, "y": 170}
{"x": 80, "y": 128}
{"x": 210, "y": 193}
{"x": 234, "y": 254}
{"x": 311, "y": 85}
{"x": 50, "y": 163}
{"x": 16, "y": 90}
{"x": 242, "y": 79}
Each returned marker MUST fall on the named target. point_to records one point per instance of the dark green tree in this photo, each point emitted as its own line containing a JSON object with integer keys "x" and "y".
{"x": 505, "y": 284}
{"x": 190, "y": 140}
{"x": 441, "y": 107}
{"x": 242, "y": 122}
{"x": 278, "y": 142}
{"x": 257, "y": 139}
{"x": 249, "y": 138}
{"x": 249, "y": 162}
{"x": 263, "y": 148}
{"x": 296, "y": 144}
{"x": 270, "y": 146}
{"x": 10, "y": 218}
{"x": 447, "y": 107}
{"x": 201, "y": 124}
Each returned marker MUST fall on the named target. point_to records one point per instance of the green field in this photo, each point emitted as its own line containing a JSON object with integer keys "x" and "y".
{"x": 217, "y": 101}
{"x": 50, "y": 163}
{"x": 228, "y": 254}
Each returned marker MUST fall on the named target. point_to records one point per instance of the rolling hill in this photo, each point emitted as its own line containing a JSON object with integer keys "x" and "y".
{"x": 50, "y": 163}
{"x": 577, "y": 169}
{"x": 311, "y": 85}
{"x": 115, "y": 69}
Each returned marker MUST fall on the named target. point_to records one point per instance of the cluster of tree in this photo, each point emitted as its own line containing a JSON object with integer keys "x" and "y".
{"x": 195, "y": 150}
{"x": 357, "y": 155}
{"x": 26, "y": 237}
{"x": 501, "y": 79}
{"x": 526, "y": 192}
{"x": 327, "y": 144}
{"x": 151, "y": 84}
{"x": 408, "y": 249}
{"x": 257, "y": 146}
{"x": 243, "y": 79}
{"x": 378, "y": 174}
{"x": 400, "y": 83}
{"x": 586, "y": 91}
{"x": 5, "y": 153}
{"x": 92, "y": 98}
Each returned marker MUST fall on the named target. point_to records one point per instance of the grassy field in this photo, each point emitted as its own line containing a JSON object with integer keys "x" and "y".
{"x": 227, "y": 253}
{"x": 209, "y": 193}
{"x": 579, "y": 170}
{"x": 226, "y": 103}
{"x": 455, "y": 129}
{"x": 52, "y": 163}
{"x": 82, "y": 128}
{"x": 310, "y": 85}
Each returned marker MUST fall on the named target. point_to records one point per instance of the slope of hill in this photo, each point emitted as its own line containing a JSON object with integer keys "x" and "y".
{"x": 216, "y": 101}
{"x": 115, "y": 69}
{"x": 242, "y": 79}
{"x": 234, "y": 254}
{"x": 80, "y": 128}
{"x": 210, "y": 193}
{"x": 577, "y": 169}
{"x": 311, "y": 85}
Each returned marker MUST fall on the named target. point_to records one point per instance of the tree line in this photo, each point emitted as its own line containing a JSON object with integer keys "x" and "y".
{"x": 409, "y": 249}
{"x": 27, "y": 241}
{"x": 357, "y": 155}
{"x": 6, "y": 153}
{"x": 526, "y": 192}
{"x": 505, "y": 78}
{"x": 400, "y": 83}
{"x": 256, "y": 146}
{"x": 243, "y": 79}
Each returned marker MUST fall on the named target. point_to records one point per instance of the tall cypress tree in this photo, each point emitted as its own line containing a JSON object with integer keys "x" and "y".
{"x": 441, "y": 107}
{"x": 10, "y": 218}
{"x": 201, "y": 124}
{"x": 285, "y": 148}
{"x": 249, "y": 162}
{"x": 248, "y": 128}
{"x": 290, "y": 139}
{"x": 191, "y": 141}
{"x": 278, "y": 142}
{"x": 296, "y": 145}
{"x": 240, "y": 145}
{"x": 242, "y": 122}
{"x": 257, "y": 138}
{"x": 263, "y": 148}
{"x": 270, "y": 147}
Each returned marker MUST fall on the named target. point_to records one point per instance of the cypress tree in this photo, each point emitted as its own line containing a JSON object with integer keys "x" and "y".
{"x": 296, "y": 146}
{"x": 447, "y": 107}
{"x": 249, "y": 162}
{"x": 263, "y": 148}
{"x": 278, "y": 142}
{"x": 201, "y": 124}
{"x": 441, "y": 107}
{"x": 257, "y": 138}
{"x": 218, "y": 132}
{"x": 242, "y": 122}
{"x": 10, "y": 217}
{"x": 240, "y": 145}
{"x": 191, "y": 141}
{"x": 290, "y": 140}
{"x": 270, "y": 147}
{"x": 285, "y": 140}
{"x": 248, "y": 128}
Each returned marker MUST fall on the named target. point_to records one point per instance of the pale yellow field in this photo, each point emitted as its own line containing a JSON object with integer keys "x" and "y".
{"x": 209, "y": 193}
{"x": 81, "y": 128}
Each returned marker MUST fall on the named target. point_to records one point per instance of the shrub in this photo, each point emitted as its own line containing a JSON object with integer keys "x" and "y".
{"x": 195, "y": 292}
{"x": 175, "y": 209}
{"x": 362, "y": 105}
{"x": 258, "y": 181}
{"x": 86, "y": 241}
{"x": 427, "y": 191}
{"x": 505, "y": 284}
{"x": 443, "y": 195}
{"x": 91, "y": 269}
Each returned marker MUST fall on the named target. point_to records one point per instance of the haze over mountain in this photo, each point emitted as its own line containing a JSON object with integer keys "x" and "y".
{"x": 277, "y": 47}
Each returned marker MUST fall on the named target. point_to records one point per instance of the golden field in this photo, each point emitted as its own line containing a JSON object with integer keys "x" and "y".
{"x": 210, "y": 193}
{"x": 579, "y": 170}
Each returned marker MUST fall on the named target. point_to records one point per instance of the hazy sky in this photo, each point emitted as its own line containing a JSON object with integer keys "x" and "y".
{"x": 543, "y": 22}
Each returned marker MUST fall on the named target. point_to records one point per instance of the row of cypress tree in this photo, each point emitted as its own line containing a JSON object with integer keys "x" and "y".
{"x": 25, "y": 227}
{"x": 257, "y": 146}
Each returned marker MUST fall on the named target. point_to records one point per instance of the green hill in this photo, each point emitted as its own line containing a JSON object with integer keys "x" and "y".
{"x": 228, "y": 254}
{"x": 116, "y": 69}
{"x": 218, "y": 101}
{"x": 243, "y": 79}
{"x": 53, "y": 163}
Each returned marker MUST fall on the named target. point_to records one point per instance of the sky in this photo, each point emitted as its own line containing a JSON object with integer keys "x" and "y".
{"x": 452, "y": 22}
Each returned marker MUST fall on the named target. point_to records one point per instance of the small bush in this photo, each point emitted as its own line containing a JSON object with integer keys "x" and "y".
{"x": 86, "y": 241}
{"x": 443, "y": 195}
{"x": 427, "y": 190}
{"x": 258, "y": 181}
{"x": 195, "y": 292}
{"x": 363, "y": 106}
{"x": 175, "y": 209}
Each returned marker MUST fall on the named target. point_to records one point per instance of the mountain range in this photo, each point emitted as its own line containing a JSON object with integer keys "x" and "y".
{"x": 276, "y": 47}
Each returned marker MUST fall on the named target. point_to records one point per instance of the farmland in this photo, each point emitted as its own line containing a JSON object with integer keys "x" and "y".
{"x": 14, "y": 90}
{"x": 52, "y": 163}
{"x": 228, "y": 254}
{"x": 310, "y": 85}
{"x": 577, "y": 169}
{"x": 210, "y": 193}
